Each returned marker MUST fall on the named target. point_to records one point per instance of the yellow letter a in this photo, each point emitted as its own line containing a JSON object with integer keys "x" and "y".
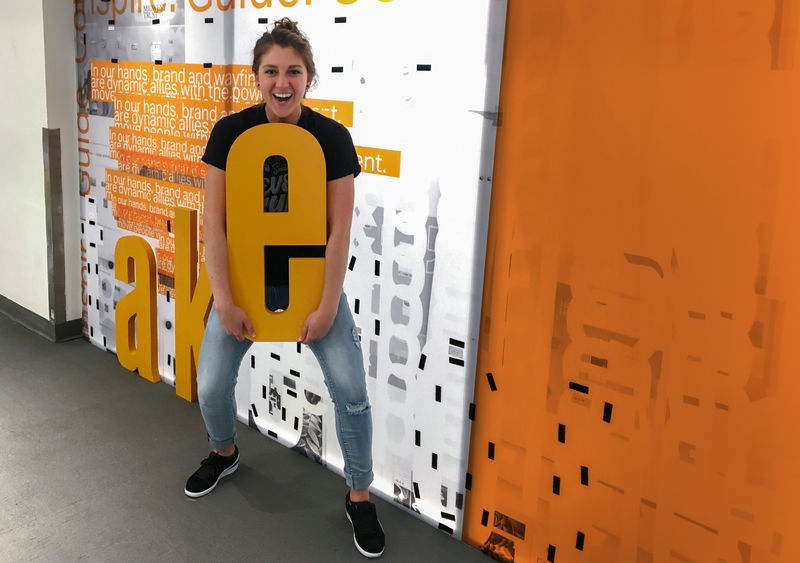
{"x": 192, "y": 303}
{"x": 135, "y": 318}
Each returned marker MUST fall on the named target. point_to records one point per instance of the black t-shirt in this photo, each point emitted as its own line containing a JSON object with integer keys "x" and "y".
{"x": 333, "y": 137}
{"x": 337, "y": 148}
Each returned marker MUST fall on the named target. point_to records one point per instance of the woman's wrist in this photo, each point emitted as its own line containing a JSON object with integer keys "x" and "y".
{"x": 223, "y": 303}
{"x": 328, "y": 307}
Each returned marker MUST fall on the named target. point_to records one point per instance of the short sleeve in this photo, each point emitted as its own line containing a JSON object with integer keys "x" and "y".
{"x": 219, "y": 144}
{"x": 341, "y": 158}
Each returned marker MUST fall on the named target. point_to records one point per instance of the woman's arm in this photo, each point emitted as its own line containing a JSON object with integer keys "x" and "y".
{"x": 340, "y": 195}
{"x": 232, "y": 318}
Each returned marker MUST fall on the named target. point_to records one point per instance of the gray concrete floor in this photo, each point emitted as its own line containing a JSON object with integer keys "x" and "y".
{"x": 95, "y": 460}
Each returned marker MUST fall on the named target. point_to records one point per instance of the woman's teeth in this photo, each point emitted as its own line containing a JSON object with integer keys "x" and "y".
{"x": 282, "y": 97}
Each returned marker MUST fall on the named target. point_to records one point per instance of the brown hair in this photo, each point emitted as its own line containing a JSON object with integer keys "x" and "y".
{"x": 285, "y": 33}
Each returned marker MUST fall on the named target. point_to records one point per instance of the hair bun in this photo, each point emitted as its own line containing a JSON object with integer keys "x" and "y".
{"x": 287, "y": 24}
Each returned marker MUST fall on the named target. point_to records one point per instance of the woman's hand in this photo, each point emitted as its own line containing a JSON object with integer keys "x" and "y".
{"x": 316, "y": 326}
{"x": 233, "y": 320}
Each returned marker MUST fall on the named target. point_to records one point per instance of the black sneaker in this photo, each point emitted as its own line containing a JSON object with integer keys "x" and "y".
{"x": 367, "y": 532}
{"x": 212, "y": 469}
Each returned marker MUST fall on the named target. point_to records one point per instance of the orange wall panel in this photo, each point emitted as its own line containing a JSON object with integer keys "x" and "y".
{"x": 641, "y": 304}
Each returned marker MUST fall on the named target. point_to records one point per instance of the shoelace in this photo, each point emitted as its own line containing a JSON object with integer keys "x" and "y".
{"x": 210, "y": 464}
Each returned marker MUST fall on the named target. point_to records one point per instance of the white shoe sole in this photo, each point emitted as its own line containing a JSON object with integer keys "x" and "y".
{"x": 228, "y": 471}
{"x": 358, "y": 547}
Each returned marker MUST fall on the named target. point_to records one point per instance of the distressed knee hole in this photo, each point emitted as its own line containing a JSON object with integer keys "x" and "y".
{"x": 357, "y": 408}
{"x": 356, "y": 338}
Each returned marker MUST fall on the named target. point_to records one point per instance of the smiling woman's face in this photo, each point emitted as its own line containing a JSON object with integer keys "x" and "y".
{"x": 283, "y": 80}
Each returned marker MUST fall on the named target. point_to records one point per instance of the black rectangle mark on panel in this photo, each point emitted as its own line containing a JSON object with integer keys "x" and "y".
{"x": 556, "y": 485}
{"x": 115, "y": 60}
{"x": 156, "y": 22}
{"x": 492, "y": 385}
{"x": 600, "y": 362}
{"x": 444, "y": 528}
{"x": 424, "y": 67}
{"x": 459, "y": 500}
{"x": 491, "y": 450}
{"x": 209, "y": 20}
{"x": 169, "y": 359}
{"x": 607, "y": 412}
{"x": 448, "y": 516}
{"x": 416, "y": 489}
{"x": 294, "y": 372}
{"x": 472, "y": 411}
{"x": 96, "y": 303}
{"x": 485, "y": 518}
{"x": 272, "y": 434}
{"x": 91, "y": 331}
{"x": 207, "y": 65}
{"x": 169, "y": 226}
{"x": 579, "y": 541}
{"x": 299, "y": 347}
{"x": 92, "y": 245}
{"x": 105, "y": 345}
{"x": 352, "y": 263}
{"x": 101, "y": 234}
{"x": 377, "y": 267}
{"x": 578, "y": 387}
{"x": 340, "y": 19}
{"x": 337, "y": 69}
{"x": 457, "y": 362}
{"x": 95, "y": 270}
{"x": 562, "y": 433}
{"x": 438, "y": 393}
{"x": 454, "y": 342}
{"x": 167, "y": 296}
{"x": 434, "y": 461}
{"x": 274, "y": 356}
{"x": 551, "y": 553}
{"x": 252, "y": 361}
{"x": 417, "y": 437}
{"x": 83, "y": 231}
{"x": 263, "y": 20}
{"x": 296, "y": 422}
{"x": 289, "y": 383}
{"x": 90, "y": 301}
{"x": 110, "y": 22}
{"x": 291, "y": 393}
{"x": 377, "y": 327}
{"x": 263, "y": 391}
{"x": 468, "y": 482}
{"x": 584, "y": 475}
{"x": 356, "y": 306}
{"x": 283, "y": 413}
{"x": 253, "y": 407}
{"x": 92, "y": 223}
{"x": 422, "y": 359}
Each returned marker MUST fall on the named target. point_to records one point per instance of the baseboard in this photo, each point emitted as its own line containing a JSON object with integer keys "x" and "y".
{"x": 51, "y": 331}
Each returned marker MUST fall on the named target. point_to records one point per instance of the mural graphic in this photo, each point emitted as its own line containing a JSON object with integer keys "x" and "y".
{"x": 636, "y": 386}
{"x": 154, "y": 77}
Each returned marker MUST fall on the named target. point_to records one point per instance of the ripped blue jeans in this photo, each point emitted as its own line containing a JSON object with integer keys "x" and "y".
{"x": 339, "y": 357}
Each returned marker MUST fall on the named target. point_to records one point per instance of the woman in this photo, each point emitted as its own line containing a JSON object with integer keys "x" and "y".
{"x": 284, "y": 71}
